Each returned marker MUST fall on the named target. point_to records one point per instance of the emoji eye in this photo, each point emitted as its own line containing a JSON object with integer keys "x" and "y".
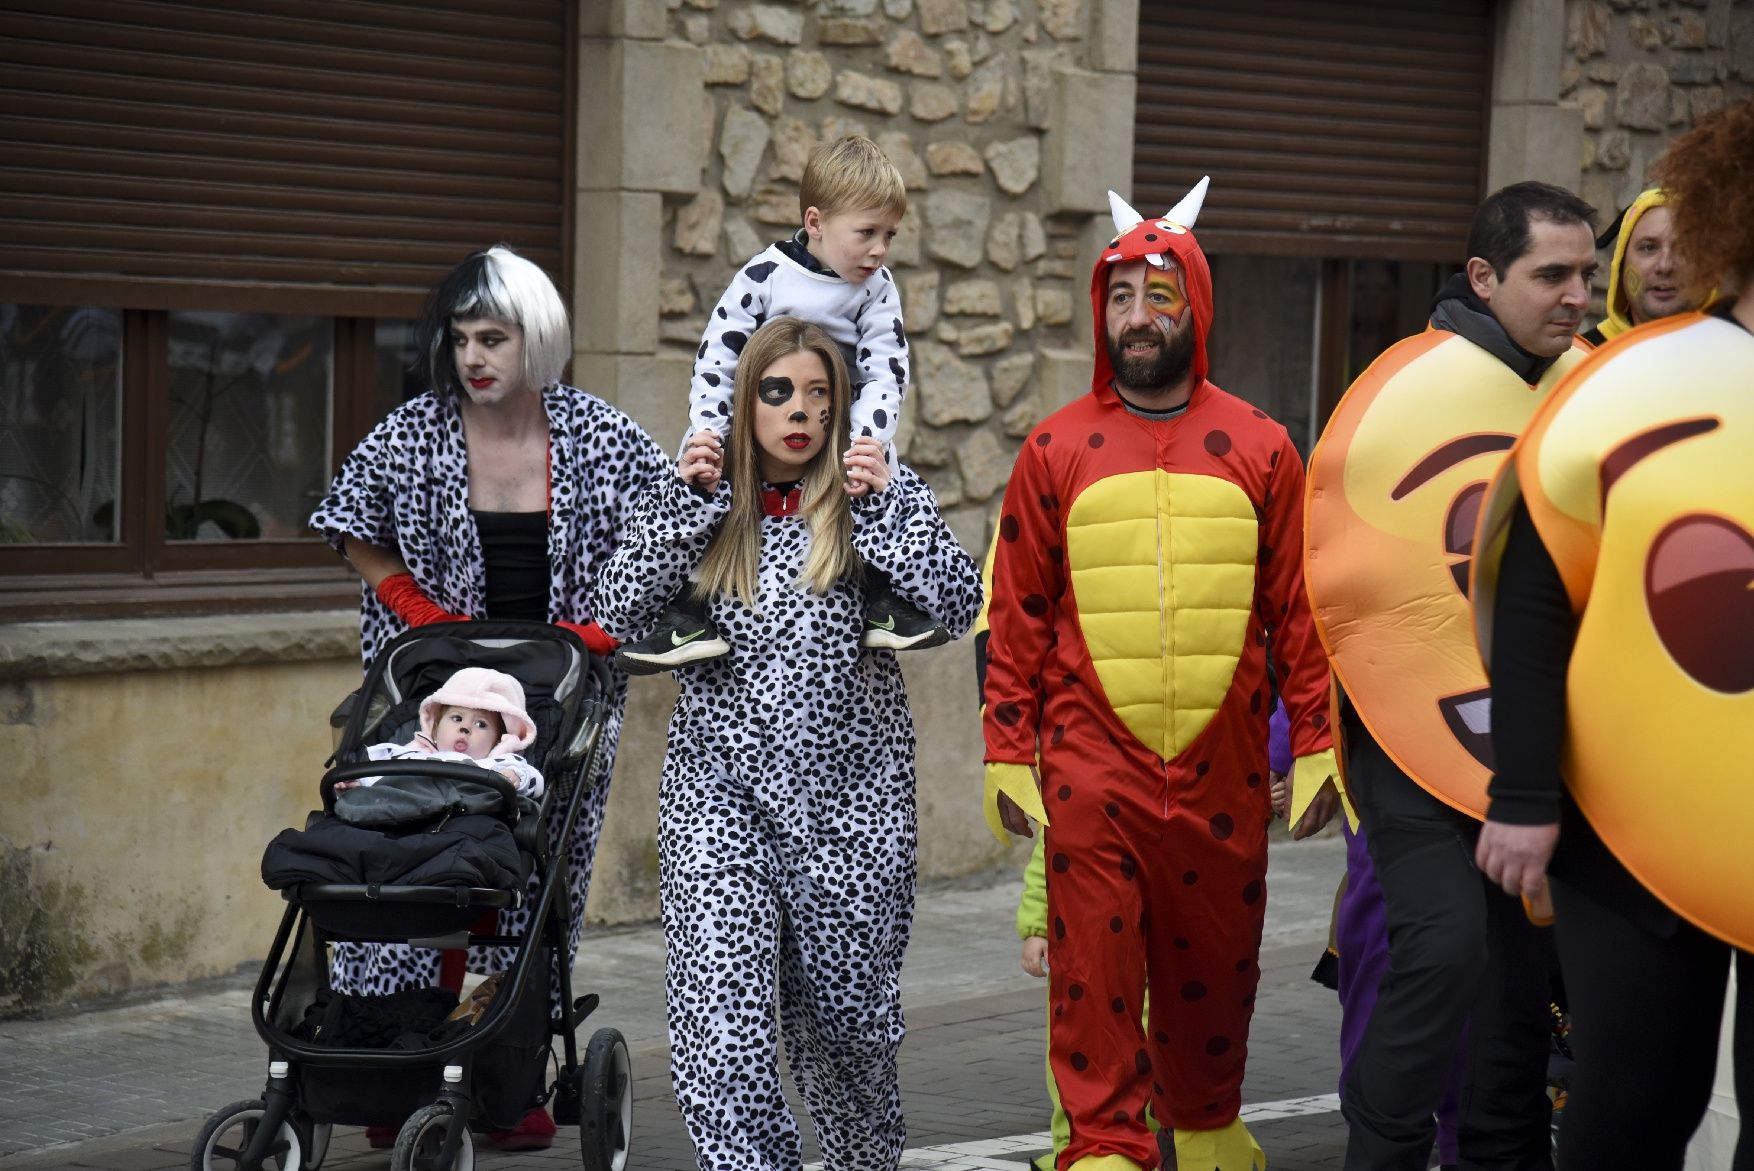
{"x": 1458, "y": 530}
{"x": 1699, "y": 589}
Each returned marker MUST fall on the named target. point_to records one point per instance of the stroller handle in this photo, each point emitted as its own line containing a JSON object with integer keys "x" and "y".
{"x": 451, "y": 770}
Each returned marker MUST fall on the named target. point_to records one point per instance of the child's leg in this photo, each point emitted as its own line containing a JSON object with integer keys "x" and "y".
{"x": 684, "y": 634}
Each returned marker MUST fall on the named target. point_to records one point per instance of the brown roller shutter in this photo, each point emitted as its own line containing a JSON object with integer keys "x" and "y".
{"x": 1329, "y": 128}
{"x": 307, "y": 156}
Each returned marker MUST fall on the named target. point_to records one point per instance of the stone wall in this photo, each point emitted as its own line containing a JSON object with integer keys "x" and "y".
{"x": 992, "y": 111}
{"x": 1643, "y": 71}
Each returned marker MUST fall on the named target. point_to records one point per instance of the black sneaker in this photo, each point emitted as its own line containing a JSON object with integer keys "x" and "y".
{"x": 684, "y": 634}
{"x": 897, "y": 625}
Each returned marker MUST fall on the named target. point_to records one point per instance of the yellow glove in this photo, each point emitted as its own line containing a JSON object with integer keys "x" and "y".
{"x": 1016, "y": 781}
{"x": 1308, "y": 775}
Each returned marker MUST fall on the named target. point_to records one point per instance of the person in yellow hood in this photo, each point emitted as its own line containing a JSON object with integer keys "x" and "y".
{"x": 1645, "y": 281}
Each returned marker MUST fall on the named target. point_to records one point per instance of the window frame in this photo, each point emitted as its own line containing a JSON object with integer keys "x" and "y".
{"x": 142, "y": 573}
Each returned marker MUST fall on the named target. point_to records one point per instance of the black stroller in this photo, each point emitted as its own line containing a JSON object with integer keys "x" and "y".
{"x": 435, "y": 1084}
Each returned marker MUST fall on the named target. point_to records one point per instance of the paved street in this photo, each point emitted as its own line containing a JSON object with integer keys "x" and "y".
{"x": 126, "y": 1088}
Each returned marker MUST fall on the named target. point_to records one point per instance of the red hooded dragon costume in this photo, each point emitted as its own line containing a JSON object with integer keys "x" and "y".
{"x": 1142, "y": 569}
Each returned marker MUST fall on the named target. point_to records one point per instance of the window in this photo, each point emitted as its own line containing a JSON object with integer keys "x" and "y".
{"x": 155, "y": 461}
{"x": 1291, "y": 333}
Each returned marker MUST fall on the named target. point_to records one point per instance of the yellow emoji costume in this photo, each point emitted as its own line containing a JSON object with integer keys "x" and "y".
{"x": 1394, "y": 494}
{"x": 1638, "y": 478}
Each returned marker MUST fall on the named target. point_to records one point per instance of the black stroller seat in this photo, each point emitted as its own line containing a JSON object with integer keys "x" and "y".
{"x": 426, "y": 1082}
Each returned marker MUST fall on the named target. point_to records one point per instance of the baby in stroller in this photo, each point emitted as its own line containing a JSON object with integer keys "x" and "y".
{"x": 478, "y": 717}
{"x": 425, "y": 858}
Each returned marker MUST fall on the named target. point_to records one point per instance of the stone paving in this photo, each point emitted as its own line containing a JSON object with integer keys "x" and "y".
{"x": 125, "y": 1089}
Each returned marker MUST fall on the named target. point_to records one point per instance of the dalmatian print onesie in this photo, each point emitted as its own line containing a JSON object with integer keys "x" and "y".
{"x": 863, "y": 319}
{"x": 787, "y": 829}
{"x": 406, "y": 487}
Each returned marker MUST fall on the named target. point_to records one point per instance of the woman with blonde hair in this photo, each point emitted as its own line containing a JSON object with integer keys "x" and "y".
{"x": 787, "y": 828}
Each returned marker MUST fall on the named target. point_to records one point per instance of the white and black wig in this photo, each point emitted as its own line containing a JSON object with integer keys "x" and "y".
{"x": 500, "y": 284}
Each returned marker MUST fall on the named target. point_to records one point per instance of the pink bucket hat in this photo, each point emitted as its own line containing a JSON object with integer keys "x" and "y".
{"x": 484, "y": 690}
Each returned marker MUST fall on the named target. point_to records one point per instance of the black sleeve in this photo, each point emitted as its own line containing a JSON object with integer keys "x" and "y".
{"x": 1532, "y": 635}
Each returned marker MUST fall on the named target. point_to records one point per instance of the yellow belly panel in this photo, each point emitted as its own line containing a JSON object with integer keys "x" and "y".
{"x": 1163, "y": 577}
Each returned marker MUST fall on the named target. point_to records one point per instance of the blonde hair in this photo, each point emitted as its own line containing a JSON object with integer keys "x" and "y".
{"x": 732, "y": 564}
{"x": 851, "y": 174}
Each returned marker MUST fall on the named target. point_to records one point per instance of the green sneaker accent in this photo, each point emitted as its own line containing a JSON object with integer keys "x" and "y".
{"x": 684, "y": 640}
{"x": 888, "y": 622}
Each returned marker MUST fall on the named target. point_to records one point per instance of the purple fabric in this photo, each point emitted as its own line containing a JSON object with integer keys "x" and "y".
{"x": 1279, "y": 741}
{"x": 1361, "y": 936}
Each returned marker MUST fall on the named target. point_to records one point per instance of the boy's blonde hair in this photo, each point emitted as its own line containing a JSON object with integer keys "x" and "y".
{"x": 731, "y": 567}
{"x": 851, "y": 174}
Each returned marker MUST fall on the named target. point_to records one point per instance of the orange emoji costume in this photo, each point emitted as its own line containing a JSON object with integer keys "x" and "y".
{"x": 1395, "y": 488}
{"x": 1645, "y": 499}
{"x": 1140, "y": 568}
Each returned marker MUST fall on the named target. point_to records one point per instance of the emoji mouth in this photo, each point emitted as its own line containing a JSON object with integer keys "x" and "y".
{"x": 1468, "y": 715}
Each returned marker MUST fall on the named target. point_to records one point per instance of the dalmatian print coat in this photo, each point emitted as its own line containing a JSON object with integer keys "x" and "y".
{"x": 406, "y": 487}
{"x": 787, "y": 828}
{"x": 864, "y": 319}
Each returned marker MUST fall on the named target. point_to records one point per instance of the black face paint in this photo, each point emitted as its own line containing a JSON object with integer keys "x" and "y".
{"x": 822, "y": 418}
{"x": 775, "y": 392}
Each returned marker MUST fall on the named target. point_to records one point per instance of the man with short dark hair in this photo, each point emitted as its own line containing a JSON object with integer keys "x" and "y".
{"x": 1395, "y": 488}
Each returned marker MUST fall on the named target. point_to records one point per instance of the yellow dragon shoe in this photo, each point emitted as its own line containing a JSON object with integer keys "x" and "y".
{"x": 1229, "y": 1148}
{"x": 1106, "y": 1163}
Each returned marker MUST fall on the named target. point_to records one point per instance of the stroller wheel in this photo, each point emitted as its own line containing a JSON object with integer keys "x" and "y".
{"x": 422, "y": 1138}
{"x": 221, "y": 1143}
{"x": 606, "y": 1102}
{"x": 316, "y": 1140}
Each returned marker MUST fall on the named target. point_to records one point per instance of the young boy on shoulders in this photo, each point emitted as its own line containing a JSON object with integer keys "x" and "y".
{"x": 829, "y": 272}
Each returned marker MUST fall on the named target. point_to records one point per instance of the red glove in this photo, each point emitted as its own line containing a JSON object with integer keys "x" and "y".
{"x": 596, "y": 639}
{"x": 409, "y": 602}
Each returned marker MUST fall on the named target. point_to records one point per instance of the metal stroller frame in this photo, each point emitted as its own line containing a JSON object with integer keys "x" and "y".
{"x": 285, "y": 1129}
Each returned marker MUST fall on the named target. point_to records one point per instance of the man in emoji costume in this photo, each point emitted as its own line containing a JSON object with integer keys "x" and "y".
{"x": 1146, "y": 559}
{"x": 1620, "y": 631}
{"x": 1644, "y": 282}
{"x": 1395, "y": 489}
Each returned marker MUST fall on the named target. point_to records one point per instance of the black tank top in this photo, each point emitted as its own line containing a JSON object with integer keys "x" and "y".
{"x": 514, "y": 547}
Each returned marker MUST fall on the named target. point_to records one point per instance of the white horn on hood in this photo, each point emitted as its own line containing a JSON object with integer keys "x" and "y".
{"x": 1125, "y": 216}
{"x": 1188, "y": 210}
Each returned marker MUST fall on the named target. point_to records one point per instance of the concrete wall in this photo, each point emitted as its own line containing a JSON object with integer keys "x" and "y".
{"x": 151, "y": 761}
{"x": 148, "y": 764}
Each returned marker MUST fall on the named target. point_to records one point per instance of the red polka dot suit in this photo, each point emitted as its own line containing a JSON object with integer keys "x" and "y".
{"x": 1141, "y": 569}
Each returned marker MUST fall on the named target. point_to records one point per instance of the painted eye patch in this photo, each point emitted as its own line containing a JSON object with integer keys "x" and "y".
{"x": 1164, "y": 296}
{"x": 775, "y": 392}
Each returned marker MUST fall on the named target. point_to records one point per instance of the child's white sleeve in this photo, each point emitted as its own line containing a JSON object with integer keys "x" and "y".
{"x": 529, "y": 782}
{"x": 739, "y": 313}
{"x": 882, "y": 361}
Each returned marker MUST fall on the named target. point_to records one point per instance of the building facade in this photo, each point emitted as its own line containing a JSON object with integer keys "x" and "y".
{"x": 217, "y": 226}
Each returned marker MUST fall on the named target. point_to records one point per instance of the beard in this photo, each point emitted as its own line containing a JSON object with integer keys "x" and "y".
{"x": 1175, "y": 355}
